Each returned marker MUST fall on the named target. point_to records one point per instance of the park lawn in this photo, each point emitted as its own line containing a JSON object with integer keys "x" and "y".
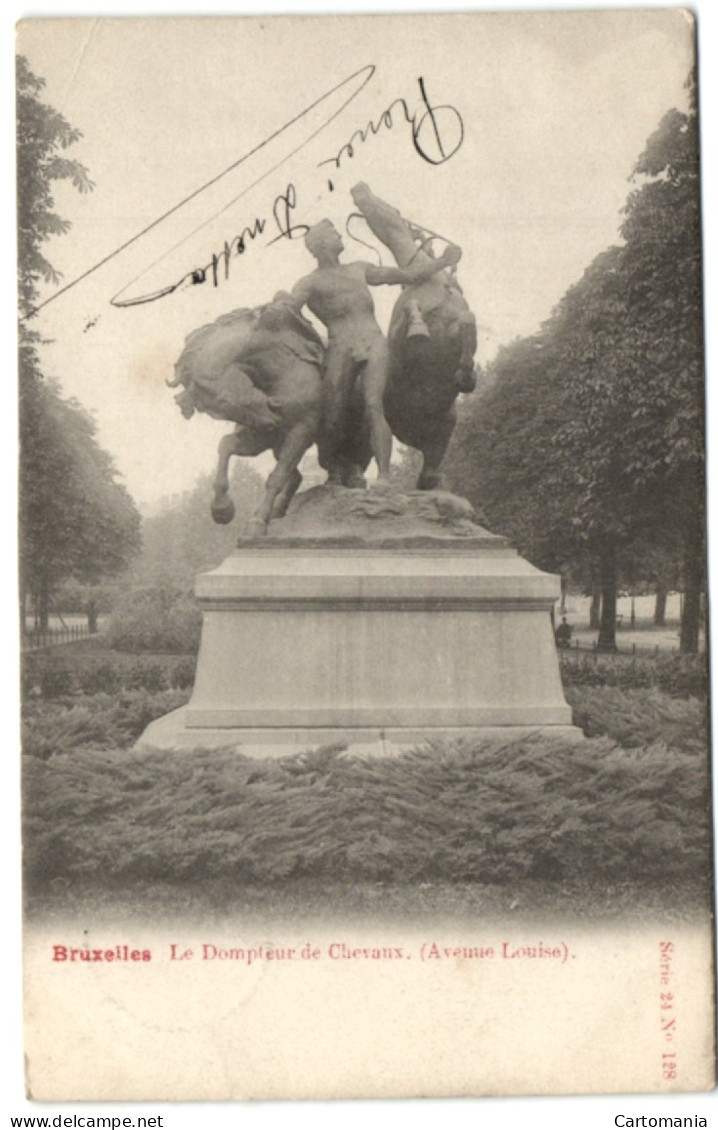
{"x": 298, "y": 903}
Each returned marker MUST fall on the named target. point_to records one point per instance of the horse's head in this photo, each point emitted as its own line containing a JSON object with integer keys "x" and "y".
{"x": 364, "y": 198}
{"x": 385, "y": 222}
{"x": 361, "y": 193}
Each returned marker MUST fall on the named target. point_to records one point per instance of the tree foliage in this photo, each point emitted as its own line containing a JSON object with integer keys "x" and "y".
{"x": 587, "y": 448}
{"x": 182, "y": 540}
{"x": 500, "y": 437}
{"x": 76, "y": 520}
{"x": 664, "y": 283}
{"x": 42, "y": 137}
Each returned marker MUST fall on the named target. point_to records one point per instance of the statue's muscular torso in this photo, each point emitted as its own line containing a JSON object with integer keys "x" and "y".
{"x": 340, "y": 298}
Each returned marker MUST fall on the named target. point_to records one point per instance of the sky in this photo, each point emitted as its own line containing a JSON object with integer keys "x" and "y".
{"x": 541, "y": 118}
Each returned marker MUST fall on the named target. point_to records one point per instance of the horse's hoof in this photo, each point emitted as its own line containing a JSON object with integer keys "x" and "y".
{"x": 466, "y": 379}
{"x": 223, "y": 513}
{"x": 381, "y": 486}
{"x": 353, "y": 479}
{"x": 430, "y": 482}
{"x": 256, "y": 528}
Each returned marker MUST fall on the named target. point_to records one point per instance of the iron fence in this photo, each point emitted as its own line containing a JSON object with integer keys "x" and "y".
{"x": 34, "y": 638}
{"x": 628, "y": 651}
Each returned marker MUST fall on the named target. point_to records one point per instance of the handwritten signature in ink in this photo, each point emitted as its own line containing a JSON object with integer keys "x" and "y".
{"x": 437, "y": 132}
{"x": 219, "y": 264}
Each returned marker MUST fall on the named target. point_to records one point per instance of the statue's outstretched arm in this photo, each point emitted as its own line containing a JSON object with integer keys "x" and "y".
{"x": 417, "y": 272}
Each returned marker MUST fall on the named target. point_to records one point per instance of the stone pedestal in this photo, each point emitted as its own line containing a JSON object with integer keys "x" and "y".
{"x": 365, "y": 644}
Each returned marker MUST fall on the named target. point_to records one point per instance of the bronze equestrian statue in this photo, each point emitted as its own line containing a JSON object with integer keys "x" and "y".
{"x": 268, "y": 370}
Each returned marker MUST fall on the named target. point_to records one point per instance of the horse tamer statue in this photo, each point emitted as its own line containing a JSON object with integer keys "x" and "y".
{"x": 264, "y": 368}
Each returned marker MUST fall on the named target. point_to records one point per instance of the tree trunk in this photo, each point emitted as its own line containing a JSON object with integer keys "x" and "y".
{"x": 23, "y": 601}
{"x": 594, "y": 612}
{"x": 659, "y": 612}
{"x": 691, "y": 620}
{"x": 609, "y": 586}
{"x": 43, "y": 605}
{"x": 564, "y": 592}
{"x": 92, "y": 618}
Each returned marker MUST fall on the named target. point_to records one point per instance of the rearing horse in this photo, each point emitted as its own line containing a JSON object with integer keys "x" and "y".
{"x": 262, "y": 369}
{"x": 432, "y": 341}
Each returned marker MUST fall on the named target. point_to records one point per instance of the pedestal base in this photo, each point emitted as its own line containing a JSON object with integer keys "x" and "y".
{"x": 172, "y": 734}
{"x": 370, "y": 647}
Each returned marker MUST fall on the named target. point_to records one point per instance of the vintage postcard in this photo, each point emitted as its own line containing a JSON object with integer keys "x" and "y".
{"x": 363, "y": 582}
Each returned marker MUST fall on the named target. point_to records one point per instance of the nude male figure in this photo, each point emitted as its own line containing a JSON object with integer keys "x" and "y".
{"x": 338, "y": 294}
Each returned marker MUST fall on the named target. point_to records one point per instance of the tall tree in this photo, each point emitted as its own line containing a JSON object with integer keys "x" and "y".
{"x": 500, "y": 450}
{"x": 546, "y": 446}
{"x": 590, "y": 443}
{"x": 587, "y": 470}
{"x": 662, "y": 268}
{"x": 76, "y": 520}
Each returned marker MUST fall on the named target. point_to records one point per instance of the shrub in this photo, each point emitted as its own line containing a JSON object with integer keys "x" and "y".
{"x": 93, "y": 678}
{"x": 30, "y": 674}
{"x": 183, "y": 672}
{"x": 49, "y": 675}
{"x": 100, "y": 721}
{"x": 64, "y": 729}
{"x": 145, "y": 674}
{"x": 680, "y": 675}
{"x": 486, "y": 811}
{"x": 635, "y": 718}
{"x": 41, "y": 675}
{"x": 156, "y": 619}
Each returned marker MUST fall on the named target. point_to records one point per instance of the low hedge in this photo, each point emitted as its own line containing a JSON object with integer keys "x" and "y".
{"x": 680, "y": 675}
{"x": 631, "y": 802}
{"x": 479, "y": 811}
{"x": 156, "y": 619}
{"x": 56, "y": 673}
{"x": 107, "y": 720}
